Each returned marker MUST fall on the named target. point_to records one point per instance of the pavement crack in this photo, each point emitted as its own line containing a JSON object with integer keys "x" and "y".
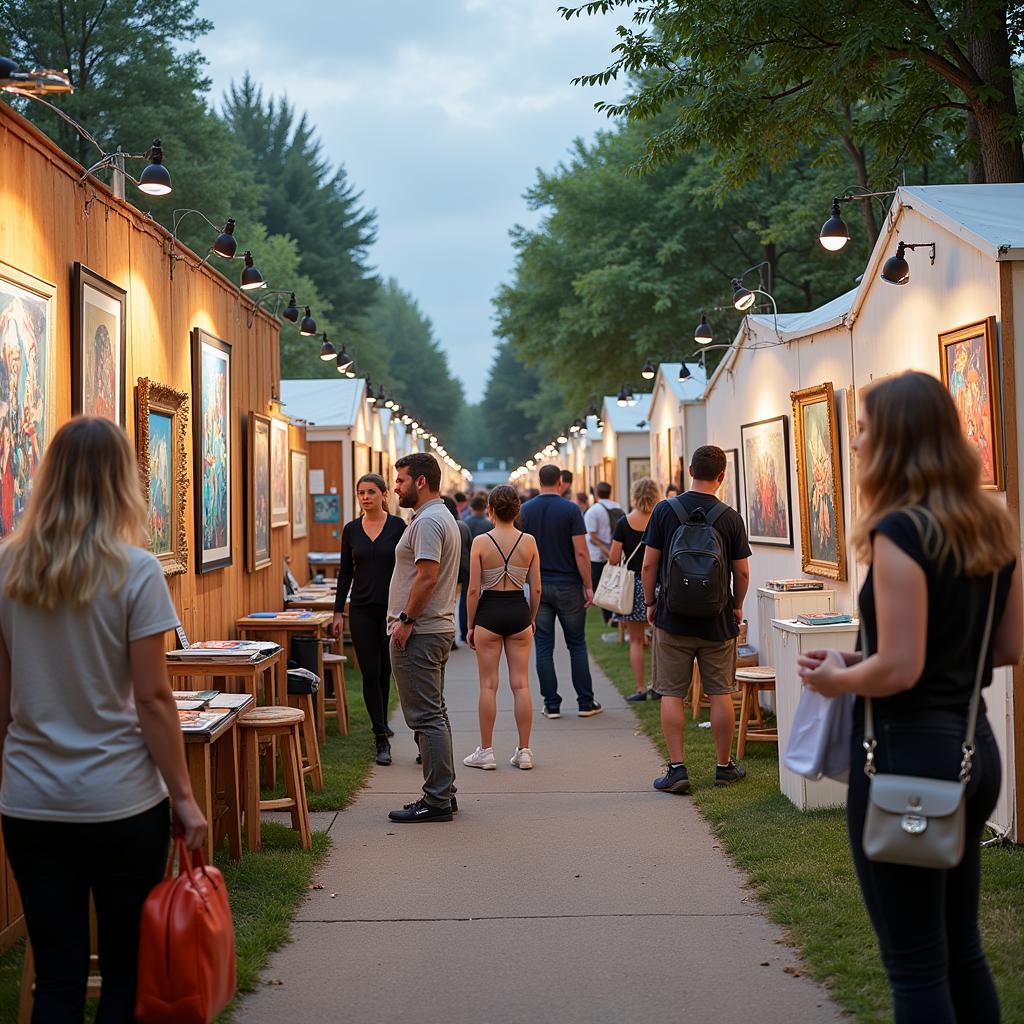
{"x": 516, "y": 917}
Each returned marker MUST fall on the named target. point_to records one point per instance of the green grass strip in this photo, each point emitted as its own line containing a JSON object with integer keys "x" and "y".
{"x": 799, "y": 865}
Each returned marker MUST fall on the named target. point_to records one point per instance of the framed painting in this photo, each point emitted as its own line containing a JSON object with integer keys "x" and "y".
{"x": 300, "y": 495}
{"x": 637, "y": 469}
{"x": 278, "y": 472}
{"x": 819, "y": 481}
{"x": 768, "y": 501}
{"x": 28, "y": 315}
{"x": 968, "y": 359}
{"x": 326, "y": 508}
{"x": 161, "y": 429}
{"x": 362, "y": 462}
{"x": 98, "y": 346}
{"x": 212, "y": 451}
{"x": 729, "y": 492}
{"x": 257, "y": 512}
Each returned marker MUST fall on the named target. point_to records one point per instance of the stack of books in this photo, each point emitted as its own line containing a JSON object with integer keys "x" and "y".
{"x": 824, "y": 619}
{"x": 793, "y": 585}
{"x": 228, "y": 651}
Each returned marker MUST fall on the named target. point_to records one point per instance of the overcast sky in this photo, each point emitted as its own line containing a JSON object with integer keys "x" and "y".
{"x": 441, "y": 111}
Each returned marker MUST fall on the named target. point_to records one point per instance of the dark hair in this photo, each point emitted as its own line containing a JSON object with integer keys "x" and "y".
{"x": 373, "y": 478}
{"x": 549, "y": 476}
{"x": 450, "y": 505}
{"x": 459, "y": 496}
{"x": 504, "y": 503}
{"x": 707, "y": 463}
{"x": 603, "y": 490}
{"x": 479, "y": 503}
{"x": 673, "y": 489}
{"x": 583, "y": 496}
{"x": 532, "y": 493}
{"x": 422, "y": 464}
{"x": 566, "y": 476}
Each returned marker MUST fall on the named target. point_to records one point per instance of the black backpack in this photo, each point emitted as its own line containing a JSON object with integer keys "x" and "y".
{"x": 695, "y": 573}
{"x": 615, "y": 516}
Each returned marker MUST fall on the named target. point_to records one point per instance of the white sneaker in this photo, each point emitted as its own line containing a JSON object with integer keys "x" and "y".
{"x": 522, "y": 758}
{"x": 481, "y": 758}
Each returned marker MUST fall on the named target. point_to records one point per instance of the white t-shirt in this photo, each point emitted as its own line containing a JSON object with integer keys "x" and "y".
{"x": 597, "y": 520}
{"x": 74, "y": 749}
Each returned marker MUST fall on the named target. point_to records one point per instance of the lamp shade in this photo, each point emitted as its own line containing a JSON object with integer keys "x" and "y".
{"x": 291, "y": 311}
{"x": 327, "y": 350}
{"x": 308, "y": 325}
{"x": 702, "y": 332}
{"x": 623, "y": 397}
{"x": 371, "y": 396}
{"x": 344, "y": 359}
{"x": 834, "y": 233}
{"x": 155, "y": 179}
{"x": 251, "y": 277}
{"x": 742, "y": 298}
{"x": 648, "y": 371}
{"x": 226, "y": 245}
{"x": 684, "y": 372}
{"x": 562, "y": 439}
{"x": 897, "y": 269}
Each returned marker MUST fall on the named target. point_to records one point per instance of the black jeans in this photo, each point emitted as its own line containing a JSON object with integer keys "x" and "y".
{"x": 56, "y": 864}
{"x": 368, "y": 624}
{"x": 927, "y": 920}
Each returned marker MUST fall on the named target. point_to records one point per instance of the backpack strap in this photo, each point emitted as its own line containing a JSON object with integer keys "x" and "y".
{"x": 711, "y": 516}
{"x": 716, "y": 512}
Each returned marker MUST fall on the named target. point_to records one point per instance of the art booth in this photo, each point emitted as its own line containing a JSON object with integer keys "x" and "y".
{"x": 624, "y": 449}
{"x": 677, "y": 420}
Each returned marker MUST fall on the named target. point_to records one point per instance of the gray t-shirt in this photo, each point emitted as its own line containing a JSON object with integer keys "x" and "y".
{"x": 433, "y": 535}
{"x": 74, "y": 749}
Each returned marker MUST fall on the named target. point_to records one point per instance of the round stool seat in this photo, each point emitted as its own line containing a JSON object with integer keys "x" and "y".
{"x": 756, "y": 674}
{"x": 335, "y": 659}
{"x": 267, "y": 716}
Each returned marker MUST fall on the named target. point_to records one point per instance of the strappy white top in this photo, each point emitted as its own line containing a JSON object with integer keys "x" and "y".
{"x": 517, "y": 575}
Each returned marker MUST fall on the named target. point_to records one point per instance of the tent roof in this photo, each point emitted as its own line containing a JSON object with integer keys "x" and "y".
{"x": 690, "y": 390}
{"x": 989, "y": 217}
{"x": 326, "y": 403}
{"x": 799, "y": 325}
{"x": 628, "y": 419}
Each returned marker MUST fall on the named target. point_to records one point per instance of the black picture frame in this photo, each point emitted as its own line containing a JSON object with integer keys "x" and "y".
{"x": 84, "y": 281}
{"x": 774, "y": 430}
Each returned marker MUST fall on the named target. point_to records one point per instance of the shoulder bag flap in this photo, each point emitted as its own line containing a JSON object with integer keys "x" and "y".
{"x": 916, "y": 794}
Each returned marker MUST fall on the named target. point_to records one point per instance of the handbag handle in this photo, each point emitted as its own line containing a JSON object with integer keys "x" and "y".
{"x": 630, "y": 559}
{"x": 967, "y": 747}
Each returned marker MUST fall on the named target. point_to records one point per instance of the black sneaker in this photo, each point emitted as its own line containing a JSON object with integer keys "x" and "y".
{"x": 638, "y": 696}
{"x": 590, "y": 711}
{"x": 551, "y": 712}
{"x": 675, "y": 780}
{"x": 420, "y": 810}
{"x": 653, "y": 694}
{"x": 383, "y": 751}
{"x": 730, "y": 774}
{"x": 455, "y": 806}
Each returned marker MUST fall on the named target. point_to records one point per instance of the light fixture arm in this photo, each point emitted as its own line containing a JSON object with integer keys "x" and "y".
{"x": 176, "y": 220}
{"x": 88, "y": 136}
{"x": 758, "y": 267}
{"x": 917, "y": 245}
{"x": 276, "y": 293}
{"x": 775, "y": 308}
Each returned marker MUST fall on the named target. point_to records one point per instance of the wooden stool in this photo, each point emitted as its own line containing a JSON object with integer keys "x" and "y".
{"x": 261, "y": 726}
{"x": 753, "y": 681}
{"x": 311, "y": 763}
{"x": 337, "y": 706}
{"x": 94, "y": 984}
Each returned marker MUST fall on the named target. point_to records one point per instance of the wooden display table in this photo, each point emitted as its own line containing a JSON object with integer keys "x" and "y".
{"x": 237, "y": 677}
{"x": 318, "y": 599}
{"x": 322, "y": 560}
{"x": 791, "y": 640}
{"x": 214, "y": 769}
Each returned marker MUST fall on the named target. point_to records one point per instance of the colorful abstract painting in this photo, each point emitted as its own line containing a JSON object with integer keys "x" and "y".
{"x": 300, "y": 495}
{"x": 258, "y": 520}
{"x": 98, "y": 347}
{"x": 278, "y": 473}
{"x": 212, "y": 447}
{"x": 26, "y": 326}
{"x": 161, "y": 483}
{"x": 765, "y": 448}
{"x": 969, "y": 371}
{"x": 729, "y": 492}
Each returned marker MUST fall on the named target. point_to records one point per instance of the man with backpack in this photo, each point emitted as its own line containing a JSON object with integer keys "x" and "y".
{"x": 600, "y": 520}
{"x": 697, "y": 551}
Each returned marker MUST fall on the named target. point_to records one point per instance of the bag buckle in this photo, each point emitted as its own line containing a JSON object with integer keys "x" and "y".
{"x": 913, "y": 824}
{"x": 869, "y": 760}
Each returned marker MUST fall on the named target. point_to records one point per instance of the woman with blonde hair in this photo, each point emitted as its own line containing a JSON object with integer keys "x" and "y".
{"x": 89, "y": 732}
{"x": 942, "y": 552}
{"x": 628, "y": 549}
{"x": 502, "y": 563}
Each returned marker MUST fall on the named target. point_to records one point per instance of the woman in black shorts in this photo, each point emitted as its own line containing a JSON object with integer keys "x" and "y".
{"x": 501, "y": 618}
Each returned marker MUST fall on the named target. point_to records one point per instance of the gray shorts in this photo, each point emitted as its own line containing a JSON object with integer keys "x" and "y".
{"x": 672, "y": 659}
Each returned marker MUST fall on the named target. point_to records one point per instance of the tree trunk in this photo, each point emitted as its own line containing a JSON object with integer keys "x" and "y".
{"x": 860, "y": 166}
{"x": 988, "y": 48}
{"x": 975, "y": 168}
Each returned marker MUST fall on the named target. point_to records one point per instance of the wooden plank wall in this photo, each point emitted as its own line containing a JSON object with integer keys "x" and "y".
{"x": 47, "y": 222}
{"x": 327, "y": 455}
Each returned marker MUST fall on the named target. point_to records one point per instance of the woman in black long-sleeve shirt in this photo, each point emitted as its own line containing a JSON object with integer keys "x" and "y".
{"x": 367, "y": 563}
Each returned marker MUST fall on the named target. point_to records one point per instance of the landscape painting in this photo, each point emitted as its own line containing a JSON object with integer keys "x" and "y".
{"x": 300, "y": 495}
{"x": 27, "y": 317}
{"x": 819, "y": 482}
{"x": 258, "y": 511}
{"x": 968, "y": 362}
{"x": 326, "y": 508}
{"x": 211, "y": 384}
{"x": 278, "y": 472}
{"x": 98, "y": 347}
{"x": 769, "y": 506}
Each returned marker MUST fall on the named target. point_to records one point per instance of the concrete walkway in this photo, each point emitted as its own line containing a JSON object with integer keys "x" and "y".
{"x": 570, "y": 893}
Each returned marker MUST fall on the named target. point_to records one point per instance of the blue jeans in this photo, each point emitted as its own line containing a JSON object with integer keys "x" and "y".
{"x": 563, "y": 601}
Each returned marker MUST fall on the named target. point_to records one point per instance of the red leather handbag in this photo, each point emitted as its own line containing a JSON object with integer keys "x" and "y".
{"x": 186, "y": 945}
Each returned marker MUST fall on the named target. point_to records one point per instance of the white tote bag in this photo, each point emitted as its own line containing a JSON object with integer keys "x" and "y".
{"x": 819, "y": 738}
{"x": 617, "y": 589}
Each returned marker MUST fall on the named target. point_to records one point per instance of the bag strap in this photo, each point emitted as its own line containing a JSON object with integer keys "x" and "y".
{"x": 681, "y": 511}
{"x": 967, "y": 748}
{"x": 635, "y": 550}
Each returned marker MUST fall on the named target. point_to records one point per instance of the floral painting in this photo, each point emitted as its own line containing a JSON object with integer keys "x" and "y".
{"x": 278, "y": 473}
{"x": 968, "y": 366}
{"x": 161, "y": 483}
{"x": 819, "y": 482}
{"x": 765, "y": 452}
{"x": 26, "y": 365}
{"x": 98, "y": 347}
{"x": 211, "y": 368}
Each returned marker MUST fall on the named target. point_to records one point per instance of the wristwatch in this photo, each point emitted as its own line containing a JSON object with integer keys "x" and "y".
{"x": 405, "y": 618}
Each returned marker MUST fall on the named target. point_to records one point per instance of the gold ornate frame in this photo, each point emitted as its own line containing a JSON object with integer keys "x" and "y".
{"x": 817, "y": 395}
{"x": 151, "y": 396}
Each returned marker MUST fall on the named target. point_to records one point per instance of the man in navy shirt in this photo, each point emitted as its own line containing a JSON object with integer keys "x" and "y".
{"x": 566, "y": 591}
